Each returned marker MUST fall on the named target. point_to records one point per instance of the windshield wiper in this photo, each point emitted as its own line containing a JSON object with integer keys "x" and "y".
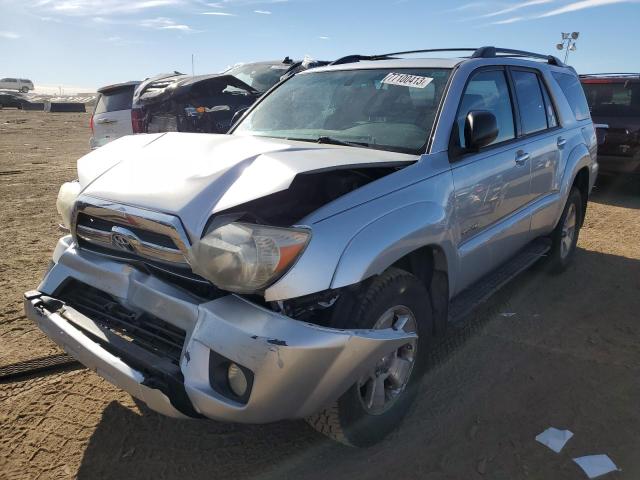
{"x": 336, "y": 141}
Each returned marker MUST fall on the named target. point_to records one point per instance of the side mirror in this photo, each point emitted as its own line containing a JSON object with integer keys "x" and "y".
{"x": 480, "y": 129}
{"x": 237, "y": 116}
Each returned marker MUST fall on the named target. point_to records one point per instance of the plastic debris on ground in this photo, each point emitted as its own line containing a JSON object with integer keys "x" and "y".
{"x": 596, "y": 465}
{"x": 554, "y": 439}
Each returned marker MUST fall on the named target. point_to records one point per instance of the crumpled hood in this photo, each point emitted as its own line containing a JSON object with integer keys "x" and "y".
{"x": 193, "y": 175}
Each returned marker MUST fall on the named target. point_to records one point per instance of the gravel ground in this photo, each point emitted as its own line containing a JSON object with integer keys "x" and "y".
{"x": 569, "y": 358}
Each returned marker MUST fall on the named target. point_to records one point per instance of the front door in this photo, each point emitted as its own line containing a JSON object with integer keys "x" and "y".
{"x": 492, "y": 186}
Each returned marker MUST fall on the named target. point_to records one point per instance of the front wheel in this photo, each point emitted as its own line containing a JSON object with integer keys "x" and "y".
{"x": 565, "y": 236}
{"x": 379, "y": 400}
{"x": 24, "y": 89}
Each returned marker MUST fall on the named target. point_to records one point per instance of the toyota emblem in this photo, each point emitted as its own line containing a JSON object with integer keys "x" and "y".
{"x": 121, "y": 242}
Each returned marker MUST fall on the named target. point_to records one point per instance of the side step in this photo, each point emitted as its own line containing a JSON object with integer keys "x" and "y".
{"x": 472, "y": 297}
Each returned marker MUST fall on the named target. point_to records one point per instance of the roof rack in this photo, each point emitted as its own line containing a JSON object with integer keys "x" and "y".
{"x": 482, "y": 52}
{"x": 584, "y": 75}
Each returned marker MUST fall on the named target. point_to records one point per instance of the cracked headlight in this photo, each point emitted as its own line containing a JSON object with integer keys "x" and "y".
{"x": 69, "y": 191}
{"x": 246, "y": 258}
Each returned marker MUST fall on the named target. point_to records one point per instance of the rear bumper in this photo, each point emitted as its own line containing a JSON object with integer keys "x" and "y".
{"x": 298, "y": 368}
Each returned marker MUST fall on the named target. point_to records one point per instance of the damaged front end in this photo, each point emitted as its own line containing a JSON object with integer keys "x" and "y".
{"x": 224, "y": 357}
{"x": 183, "y": 103}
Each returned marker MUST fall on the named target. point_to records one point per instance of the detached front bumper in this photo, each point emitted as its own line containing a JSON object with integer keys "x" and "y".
{"x": 296, "y": 368}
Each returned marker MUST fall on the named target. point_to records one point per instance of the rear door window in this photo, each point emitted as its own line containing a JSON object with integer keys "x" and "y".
{"x": 488, "y": 90}
{"x": 531, "y": 104}
{"x": 572, "y": 90}
{"x": 115, "y": 100}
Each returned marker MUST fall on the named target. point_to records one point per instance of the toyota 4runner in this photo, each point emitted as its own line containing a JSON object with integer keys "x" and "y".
{"x": 301, "y": 266}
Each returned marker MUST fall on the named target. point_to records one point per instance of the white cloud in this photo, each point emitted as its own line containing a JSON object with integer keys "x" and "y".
{"x": 9, "y": 35}
{"x": 574, "y": 7}
{"x": 517, "y": 6}
{"x": 508, "y": 20}
{"x": 324, "y": 38}
{"x": 219, "y": 14}
{"x": 262, "y": 12}
{"x": 99, "y": 7}
{"x": 164, "y": 23}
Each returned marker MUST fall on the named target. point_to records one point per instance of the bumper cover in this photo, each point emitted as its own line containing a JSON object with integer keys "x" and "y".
{"x": 298, "y": 367}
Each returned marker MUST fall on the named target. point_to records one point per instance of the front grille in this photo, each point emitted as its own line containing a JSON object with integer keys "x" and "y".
{"x": 106, "y": 226}
{"x": 140, "y": 328}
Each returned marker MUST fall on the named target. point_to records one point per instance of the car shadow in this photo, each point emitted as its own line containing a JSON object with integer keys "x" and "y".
{"x": 497, "y": 352}
{"x": 618, "y": 191}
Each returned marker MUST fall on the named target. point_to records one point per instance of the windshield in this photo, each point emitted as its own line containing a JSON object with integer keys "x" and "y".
{"x": 260, "y": 76}
{"x": 381, "y": 108}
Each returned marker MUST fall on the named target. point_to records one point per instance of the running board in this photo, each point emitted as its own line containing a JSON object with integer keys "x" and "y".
{"x": 472, "y": 297}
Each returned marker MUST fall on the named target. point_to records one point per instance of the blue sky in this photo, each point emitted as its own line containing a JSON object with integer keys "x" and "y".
{"x": 91, "y": 43}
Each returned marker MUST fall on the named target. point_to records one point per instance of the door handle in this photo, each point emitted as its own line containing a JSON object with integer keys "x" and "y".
{"x": 521, "y": 157}
{"x": 561, "y": 142}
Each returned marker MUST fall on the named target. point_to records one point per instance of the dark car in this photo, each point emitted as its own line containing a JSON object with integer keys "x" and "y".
{"x": 175, "y": 102}
{"x": 614, "y": 101}
{"x": 11, "y": 100}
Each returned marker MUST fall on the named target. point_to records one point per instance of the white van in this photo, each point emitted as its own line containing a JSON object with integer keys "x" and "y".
{"x": 111, "y": 117}
{"x": 21, "y": 84}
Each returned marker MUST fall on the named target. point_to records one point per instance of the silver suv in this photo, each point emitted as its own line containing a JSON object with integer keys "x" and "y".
{"x": 301, "y": 266}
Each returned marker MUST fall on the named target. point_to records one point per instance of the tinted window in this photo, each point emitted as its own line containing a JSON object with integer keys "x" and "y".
{"x": 570, "y": 85}
{"x": 613, "y": 99}
{"x": 25, "y": 80}
{"x": 115, "y": 100}
{"x": 552, "y": 119}
{"x": 9, "y": 80}
{"x": 530, "y": 102}
{"x": 488, "y": 91}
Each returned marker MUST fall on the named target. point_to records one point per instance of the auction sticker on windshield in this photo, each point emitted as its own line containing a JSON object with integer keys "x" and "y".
{"x": 406, "y": 80}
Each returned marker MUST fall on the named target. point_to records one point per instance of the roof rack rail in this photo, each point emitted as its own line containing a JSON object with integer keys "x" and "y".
{"x": 621, "y": 74}
{"x": 482, "y": 52}
{"x": 491, "y": 52}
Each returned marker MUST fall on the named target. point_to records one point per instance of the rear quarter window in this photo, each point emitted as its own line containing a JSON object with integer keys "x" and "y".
{"x": 572, "y": 89}
{"x": 114, "y": 101}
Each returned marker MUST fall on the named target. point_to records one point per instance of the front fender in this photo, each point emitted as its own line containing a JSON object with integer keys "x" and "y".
{"x": 381, "y": 243}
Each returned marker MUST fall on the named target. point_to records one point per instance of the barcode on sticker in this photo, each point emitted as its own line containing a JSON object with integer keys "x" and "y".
{"x": 406, "y": 80}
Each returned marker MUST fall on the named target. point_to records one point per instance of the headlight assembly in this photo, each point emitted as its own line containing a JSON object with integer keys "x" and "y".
{"x": 246, "y": 258}
{"x": 69, "y": 191}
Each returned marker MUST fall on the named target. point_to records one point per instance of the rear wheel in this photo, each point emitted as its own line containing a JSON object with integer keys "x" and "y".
{"x": 377, "y": 402}
{"x": 565, "y": 236}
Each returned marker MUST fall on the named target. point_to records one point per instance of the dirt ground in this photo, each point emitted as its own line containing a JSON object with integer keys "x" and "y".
{"x": 569, "y": 357}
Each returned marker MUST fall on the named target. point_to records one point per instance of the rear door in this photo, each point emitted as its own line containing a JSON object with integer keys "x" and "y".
{"x": 492, "y": 186}
{"x": 112, "y": 115}
{"x": 540, "y": 133}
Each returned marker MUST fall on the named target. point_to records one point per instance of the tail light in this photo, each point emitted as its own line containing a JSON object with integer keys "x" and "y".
{"x": 91, "y": 124}
{"x": 137, "y": 120}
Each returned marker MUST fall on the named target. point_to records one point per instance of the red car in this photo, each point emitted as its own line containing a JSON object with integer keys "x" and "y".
{"x": 614, "y": 102}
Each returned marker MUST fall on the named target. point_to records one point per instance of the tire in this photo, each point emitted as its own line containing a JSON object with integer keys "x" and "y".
{"x": 565, "y": 236}
{"x": 350, "y": 420}
{"x": 24, "y": 89}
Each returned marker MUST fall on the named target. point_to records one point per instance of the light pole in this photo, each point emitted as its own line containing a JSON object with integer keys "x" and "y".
{"x": 568, "y": 43}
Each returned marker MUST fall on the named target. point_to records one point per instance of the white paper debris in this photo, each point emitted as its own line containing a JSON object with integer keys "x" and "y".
{"x": 596, "y": 465}
{"x": 554, "y": 439}
{"x": 508, "y": 314}
{"x": 406, "y": 80}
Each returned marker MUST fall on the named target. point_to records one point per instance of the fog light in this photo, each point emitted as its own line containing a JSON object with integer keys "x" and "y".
{"x": 237, "y": 380}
